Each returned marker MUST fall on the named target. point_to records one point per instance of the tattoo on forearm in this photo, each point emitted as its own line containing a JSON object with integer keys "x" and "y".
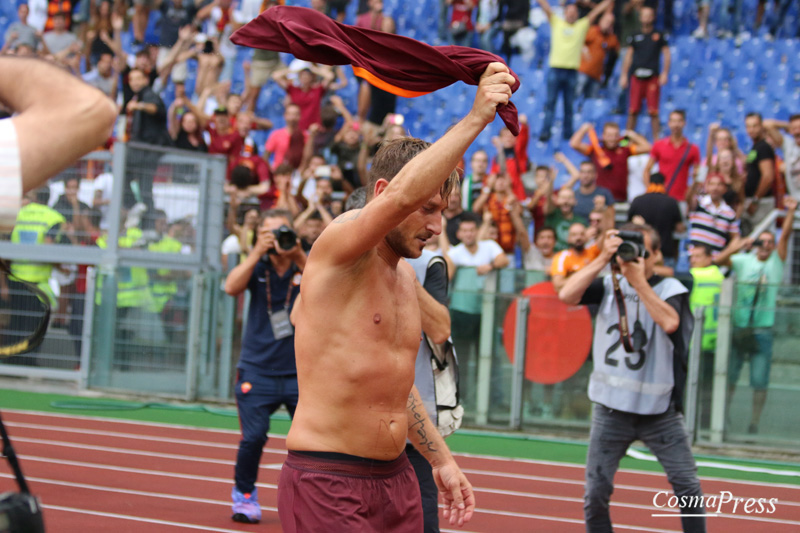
{"x": 417, "y": 421}
{"x": 347, "y": 217}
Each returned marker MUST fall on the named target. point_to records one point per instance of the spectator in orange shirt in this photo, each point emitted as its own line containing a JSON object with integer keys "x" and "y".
{"x": 600, "y": 39}
{"x": 497, "y": 199}
{"x": 574, "y": 258}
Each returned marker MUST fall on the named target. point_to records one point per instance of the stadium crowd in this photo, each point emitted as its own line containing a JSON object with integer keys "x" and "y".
{"x": 173, "y": 88}
{"x": 172, "y": 70}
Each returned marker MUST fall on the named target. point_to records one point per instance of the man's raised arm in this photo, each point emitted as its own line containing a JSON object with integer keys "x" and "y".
{"x": 355, "y": 232}
{"x": 58, "y": 117}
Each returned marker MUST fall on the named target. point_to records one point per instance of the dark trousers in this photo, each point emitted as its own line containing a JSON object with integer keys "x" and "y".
{"x": 563, "y": 81}
{"x": 611, "y": 434}
{"x": 427, "y": 489}
{"x": 263, "y": 397}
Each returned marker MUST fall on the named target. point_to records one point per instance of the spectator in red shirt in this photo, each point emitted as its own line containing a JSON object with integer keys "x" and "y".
{"x": 461, "y": 27}
{"x": 286, "y": 144}
{"x": 313, "y": 82}
{"x": 609, "y": 157}
{"x": 225, "y": 139}
{"x": 674, "y": 155}
{"x": 512, "y": 156}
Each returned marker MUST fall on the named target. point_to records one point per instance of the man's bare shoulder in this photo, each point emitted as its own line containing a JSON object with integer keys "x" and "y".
{"x": 339, "y": 231}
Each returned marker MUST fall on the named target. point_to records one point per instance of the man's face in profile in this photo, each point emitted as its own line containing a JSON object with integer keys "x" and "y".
{"x": 410, "y": 236}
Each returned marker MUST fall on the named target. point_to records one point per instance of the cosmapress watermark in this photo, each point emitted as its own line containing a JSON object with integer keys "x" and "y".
{"x": 723, "y": 503}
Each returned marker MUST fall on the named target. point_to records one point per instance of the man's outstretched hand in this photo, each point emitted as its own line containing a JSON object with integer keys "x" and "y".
{"x": 459, "y": 501}
{"x": 494, "y": 89}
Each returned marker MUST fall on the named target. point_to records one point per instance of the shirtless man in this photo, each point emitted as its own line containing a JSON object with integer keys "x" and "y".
{"x": 358, "y": 330}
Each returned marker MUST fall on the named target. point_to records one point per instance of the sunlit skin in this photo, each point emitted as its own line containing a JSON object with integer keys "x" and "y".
{"x": 507, "y": 139}
{"x": 767, "y": 246}
{"x": 716, "y": 188}
{"x": 565, "y": 199}
{"x": 479, "y": 163}
{"x": 571, "y": 13}
{"x": 588, "y": 175}
{"x": 189, "y": 123}
{"x": 754, "y": 128}
{"x": 723, "y": 140}
{"x": 610, "y": 136}
{"x": 356, "y": 353}
{"x": 137, "y": 80}
{"x": 576, "y": 238}
{"x": 676, "y": 123}
{"x": 699, "y": 257}
{"x": 546, "y": 242}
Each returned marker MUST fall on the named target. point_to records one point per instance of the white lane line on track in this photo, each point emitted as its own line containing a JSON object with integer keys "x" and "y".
{"x": 272, "y": 509}
{"x": 485, "y": 511}
{"x": 140, "y": 519}
{"x": 268, "y": 466}
{"x": 131, "y": 492}
{"x": 142, "y": 471}
{"x": 117, "y": 434}
{"x": 473, "y": 456}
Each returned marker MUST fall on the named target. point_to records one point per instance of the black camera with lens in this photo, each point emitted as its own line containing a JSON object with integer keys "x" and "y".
{"x": 632, "y": 246}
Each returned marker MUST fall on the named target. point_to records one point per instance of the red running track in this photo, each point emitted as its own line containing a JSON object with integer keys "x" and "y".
{"x": 101, "y": 475}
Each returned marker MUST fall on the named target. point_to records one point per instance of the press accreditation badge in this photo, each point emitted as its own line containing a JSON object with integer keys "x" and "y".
{"x": 281, "y": 326}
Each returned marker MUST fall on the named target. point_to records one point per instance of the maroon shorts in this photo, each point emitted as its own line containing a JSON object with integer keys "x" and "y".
{"x": 324, "y": 492}
{"x": 644, "y": 88}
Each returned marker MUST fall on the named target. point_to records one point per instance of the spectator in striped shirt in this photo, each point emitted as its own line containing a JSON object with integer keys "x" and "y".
{"x": 712, "y": 221}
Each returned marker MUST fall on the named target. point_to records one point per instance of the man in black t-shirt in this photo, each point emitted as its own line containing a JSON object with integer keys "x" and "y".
{"x": 642, "y": 65}
{"x": 760, "y": 172}
{"x": 661, "y": 211}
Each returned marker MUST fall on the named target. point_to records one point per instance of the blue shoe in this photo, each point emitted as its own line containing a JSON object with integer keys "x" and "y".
{"x": 245, "y": 507}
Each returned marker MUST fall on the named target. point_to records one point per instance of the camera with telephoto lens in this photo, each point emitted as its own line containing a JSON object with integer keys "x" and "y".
{"x": 632, "y": 246}
{"x": 20, "y": 513}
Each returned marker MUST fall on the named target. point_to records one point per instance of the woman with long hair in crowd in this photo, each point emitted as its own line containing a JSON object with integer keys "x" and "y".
{"x": 100, "y": 33}
{"x": 720, "y": 139}
{"x": 184, "y": 123}
{"x": 726, "y": 167}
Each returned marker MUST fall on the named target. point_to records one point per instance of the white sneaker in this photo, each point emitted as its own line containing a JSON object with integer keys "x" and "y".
{"x": 700, "y": 33}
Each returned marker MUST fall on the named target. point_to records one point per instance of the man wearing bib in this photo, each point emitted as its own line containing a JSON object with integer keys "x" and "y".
{"x": 639, "y": 373}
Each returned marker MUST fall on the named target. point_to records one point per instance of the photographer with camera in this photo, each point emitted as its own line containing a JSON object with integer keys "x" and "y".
{"x": 640, "y": 353}
{"x": 267, "y": 375}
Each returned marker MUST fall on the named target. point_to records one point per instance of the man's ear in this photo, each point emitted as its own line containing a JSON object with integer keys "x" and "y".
{"x": 380, "y": 186}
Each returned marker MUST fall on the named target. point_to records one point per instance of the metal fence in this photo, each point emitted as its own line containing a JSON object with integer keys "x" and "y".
{"x": 139, "y": 308}
{"x": 134, "y": 246}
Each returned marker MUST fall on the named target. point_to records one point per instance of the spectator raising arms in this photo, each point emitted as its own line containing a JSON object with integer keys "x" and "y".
{"x": 790, "y": 145}
{"x": 307, "y": 94}
{"x": 610, "y": 158}
{"x": 643, "y": 70}
{"x": 567, "y": 36}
